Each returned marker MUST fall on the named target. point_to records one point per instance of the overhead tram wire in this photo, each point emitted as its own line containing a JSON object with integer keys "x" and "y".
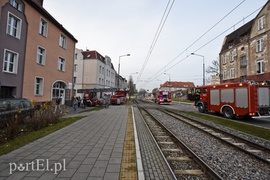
{"x": 158, "y": 74}
{"x": 198, "y": 39}
{"x": 160, "y": 27}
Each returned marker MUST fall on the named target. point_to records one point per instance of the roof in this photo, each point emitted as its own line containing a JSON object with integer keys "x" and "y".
{"x": 46, "y": 14}
{"x": 237, "y": 36}
{"x": 93, "y": 55}
{"x": 179, "y": 84}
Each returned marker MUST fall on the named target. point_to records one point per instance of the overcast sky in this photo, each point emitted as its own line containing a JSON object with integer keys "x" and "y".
{"x": 118, "y": 27}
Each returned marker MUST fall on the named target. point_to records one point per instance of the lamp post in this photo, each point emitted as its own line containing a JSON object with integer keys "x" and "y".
{"x": 169, "y": 80}
{"x": 119, "y": 69}
{"x": 203, "y": 66}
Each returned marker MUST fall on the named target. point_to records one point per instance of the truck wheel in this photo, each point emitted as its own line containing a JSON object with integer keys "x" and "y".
{"x": 228, "y": 113}
{"x": 201, "y": 108}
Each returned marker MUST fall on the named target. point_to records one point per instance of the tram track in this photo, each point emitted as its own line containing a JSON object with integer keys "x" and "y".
{"x": 227, "y": 161}
{"x": 260, "y": 152}
{"x": 182, "y": 161}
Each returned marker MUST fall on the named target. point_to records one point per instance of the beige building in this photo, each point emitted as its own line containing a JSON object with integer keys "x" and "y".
{"x": 92, "y": 70}
{"x": 245, "y": 52}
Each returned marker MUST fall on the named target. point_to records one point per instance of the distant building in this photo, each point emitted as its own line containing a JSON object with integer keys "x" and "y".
{"x": 36, "y": 53}
{"x": 245, "y": 52}
{"x": 177, "y": 88}
{"x": 92, "y": 70}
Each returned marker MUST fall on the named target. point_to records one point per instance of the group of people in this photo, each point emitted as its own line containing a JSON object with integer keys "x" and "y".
{"x": 78, "y": 102}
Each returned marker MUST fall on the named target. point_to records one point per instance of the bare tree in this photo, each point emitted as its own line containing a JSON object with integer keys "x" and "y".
{"x": 214, "y": 69}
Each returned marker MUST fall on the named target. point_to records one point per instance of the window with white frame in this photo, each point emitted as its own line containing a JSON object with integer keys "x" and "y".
{"x": 14, "y": 26}
{"x": 10, "y": 62}
{"x": 43, "y": 28}
{"x": 261, "y": 23}
{"x": 99, "y": 69}
{"x": 16, "y": 4}
{"x": 233, "y": 55}
{"x": 75, "y": 67}
{"x": 41, "y": 54}
{"x": 74, "y": 80}
{"x": 224, "y": 74}
{"x": 63, "y": 41}
{"x": 259, "y": 45}
{"x": 232, "y": 73}
{"x": 38, "y": 86}
{"x": 61, "y": 64}
{"x": 224, "y": 59}
{"x": 260, "y": 67}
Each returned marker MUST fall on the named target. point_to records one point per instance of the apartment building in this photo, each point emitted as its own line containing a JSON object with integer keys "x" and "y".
{"x": 92, "y": 70}
{"x": 38, "y": 53}
{"x": 245, "y": 52}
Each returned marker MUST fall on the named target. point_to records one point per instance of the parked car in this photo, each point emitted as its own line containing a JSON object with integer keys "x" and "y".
{"x": 11, "y": 107}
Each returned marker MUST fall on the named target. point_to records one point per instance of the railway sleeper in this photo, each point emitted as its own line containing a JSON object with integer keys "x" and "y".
{"x": 185, "y": 158}
{"x": 171, "y": 150}
{"x": 189, "y": 172}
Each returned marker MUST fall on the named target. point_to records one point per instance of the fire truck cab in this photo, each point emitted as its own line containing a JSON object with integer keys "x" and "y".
{"x": 163, "y": 96}
{"x": 234, "y": 99}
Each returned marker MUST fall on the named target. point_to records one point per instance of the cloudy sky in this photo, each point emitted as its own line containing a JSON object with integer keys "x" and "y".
{"x": 159, "y": 35}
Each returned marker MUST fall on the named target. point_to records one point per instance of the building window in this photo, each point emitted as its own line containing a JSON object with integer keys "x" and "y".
{"x": 16, "y": 4}
{"x": 63, "y": 41}
{"x": 243, "y": 78}
{"x": 224, "y": 74}
{"x": 43, "y": 28}
{"x": 61, "y": 64}
{"x": 39, "y": 86}
{"x": 233, "y": 55}
{"x": 76, "y": 56}
{"x": 232, "y": 73}
{"x": 41, "y": 53}
{"x": 75, "y": 67}
{"x": 14, "y": 26}
{"x": 260, "y": 67}
{"x": 224, "y": 59}
{"x": 243, "y": 62}
{"x": 99, "y": 69}
{"x": 74, "y": 80}
{"x": 259, "y": 45}
{"x": 261, "y": 23}
{"x": 10, "y": 62}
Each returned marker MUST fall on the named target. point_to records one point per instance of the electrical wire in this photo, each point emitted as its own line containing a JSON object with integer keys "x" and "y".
{"x": 160, "y": 73}
{"x": 159, "y": 29}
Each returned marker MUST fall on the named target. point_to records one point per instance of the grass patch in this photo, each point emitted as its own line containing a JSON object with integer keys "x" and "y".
{"x": 249, "y": 129}
{"x": 32, "y": 136}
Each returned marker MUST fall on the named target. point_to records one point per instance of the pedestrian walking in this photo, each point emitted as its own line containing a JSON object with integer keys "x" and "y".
{"x": 58, "y": 105}
{"x": 84, "y": 102}
{"x": 79, "y": 101}
{"x": 75, "y": 103}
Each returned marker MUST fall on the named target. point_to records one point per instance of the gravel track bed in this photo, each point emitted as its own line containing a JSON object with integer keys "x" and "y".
{"x": 228, "y": 162}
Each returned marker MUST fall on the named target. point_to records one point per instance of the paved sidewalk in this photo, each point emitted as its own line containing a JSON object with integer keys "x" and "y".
{"x": 87, "y": 149}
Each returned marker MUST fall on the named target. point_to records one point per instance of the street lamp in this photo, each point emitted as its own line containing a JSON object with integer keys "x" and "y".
{"x": 203, "y": 66}
{"x": 169, "y": 80}
{"x": 133, "y": 73}
{"x": 119, "y": 69}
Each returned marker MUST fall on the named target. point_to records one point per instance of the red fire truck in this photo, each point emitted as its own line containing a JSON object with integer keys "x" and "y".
{"x": 234, "y": 99}
{"x": 119, "y": 97}
{"x": 163, "y": 96}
